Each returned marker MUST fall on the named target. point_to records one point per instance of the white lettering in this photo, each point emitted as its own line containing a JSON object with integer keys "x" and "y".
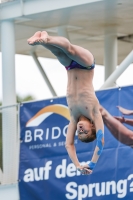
{"x": 91, "y": 187}
{"x": 122, "y": 188}
{"x": 65, "y": 130}
{"x": 47, "y": 168}
{"x": 73, "y": 190}
{"x": 47, "y": 133}
{"x": 110, "y": 184}
{"x": 131, "y": 184}
{"x": 38, "y": 134}
{"x": 28, "y": 136}
{"x": 71, "y": 170}
{"x": 53, "y": 132}
{"x": 60, "y": 171}
{"x": 97, "y": 190}
{"x": 39, "y": 176}
{"x": 82, "y": 191}
{"x": 29, "y": 175}
{"x": 130, "y": 177}
{"x": 70, "y": 188}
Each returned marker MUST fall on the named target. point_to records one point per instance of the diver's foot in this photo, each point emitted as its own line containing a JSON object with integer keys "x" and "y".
{"x": 34, "y": 40}
{"x": 44, "y": 38}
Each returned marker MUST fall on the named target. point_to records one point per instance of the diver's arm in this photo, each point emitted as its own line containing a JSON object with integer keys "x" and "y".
{"x": 100, "y": 139}
{"x": 70, "y": 143}
{"x": 71, "y": 148}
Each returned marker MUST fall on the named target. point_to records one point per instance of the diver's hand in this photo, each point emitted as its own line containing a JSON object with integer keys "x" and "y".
{"x": 84, "y": 170}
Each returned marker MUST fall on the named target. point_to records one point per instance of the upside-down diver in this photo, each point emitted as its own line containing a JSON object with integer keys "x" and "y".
{"x": 82, "y": 102}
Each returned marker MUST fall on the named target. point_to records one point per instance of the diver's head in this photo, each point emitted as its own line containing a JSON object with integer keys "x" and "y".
{"x": 86, "y": 130}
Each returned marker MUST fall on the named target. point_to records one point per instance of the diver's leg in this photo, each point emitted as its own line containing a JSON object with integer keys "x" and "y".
{"x": 76, "y": 53}
{"x": 59, "y": 53}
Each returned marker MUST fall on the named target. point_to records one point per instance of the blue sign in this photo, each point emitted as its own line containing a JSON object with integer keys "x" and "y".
{"x": 46, "y": 171}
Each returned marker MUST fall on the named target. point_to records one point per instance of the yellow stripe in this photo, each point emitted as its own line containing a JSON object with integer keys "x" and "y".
{"x": 58, "y": 109}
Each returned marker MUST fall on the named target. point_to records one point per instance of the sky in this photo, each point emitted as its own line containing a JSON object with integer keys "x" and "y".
{"x": 29, "y": 80}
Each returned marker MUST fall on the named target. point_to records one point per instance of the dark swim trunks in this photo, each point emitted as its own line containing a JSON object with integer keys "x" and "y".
{"x": 74, "y": 65}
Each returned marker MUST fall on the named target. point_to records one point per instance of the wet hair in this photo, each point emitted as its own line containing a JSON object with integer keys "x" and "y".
{"x": 88, "y": 137}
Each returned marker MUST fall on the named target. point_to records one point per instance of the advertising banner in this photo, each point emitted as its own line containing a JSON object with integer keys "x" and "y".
{"x": 46, "y": 171}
